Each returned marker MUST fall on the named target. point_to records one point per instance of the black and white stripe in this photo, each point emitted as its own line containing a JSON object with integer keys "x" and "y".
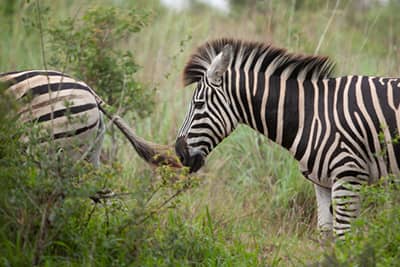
{"x": 64, "y": 109}
{"x": 341, "y": 130}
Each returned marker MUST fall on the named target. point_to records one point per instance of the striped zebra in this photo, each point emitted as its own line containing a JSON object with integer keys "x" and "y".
{"x": 70, "y": 116}
{"x": 342, "y": 131}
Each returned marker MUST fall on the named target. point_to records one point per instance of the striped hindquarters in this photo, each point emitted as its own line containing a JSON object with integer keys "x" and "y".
{"x": 63, "y": 109}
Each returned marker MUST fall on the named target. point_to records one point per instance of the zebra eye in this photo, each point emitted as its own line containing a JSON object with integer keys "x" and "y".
{"x": 198, "y": 104}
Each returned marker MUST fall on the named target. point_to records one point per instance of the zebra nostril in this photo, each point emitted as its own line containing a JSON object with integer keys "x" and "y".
{"x": 181, "y": 149}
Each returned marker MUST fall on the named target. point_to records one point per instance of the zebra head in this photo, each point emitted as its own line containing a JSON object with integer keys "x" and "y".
{"x": 209, "y": 118}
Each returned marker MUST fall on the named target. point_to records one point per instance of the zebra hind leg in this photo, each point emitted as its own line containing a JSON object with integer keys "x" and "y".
{"x": 346, "y": 200}
{"x": 324, "y": 202}
{"x": 94, "y": 156}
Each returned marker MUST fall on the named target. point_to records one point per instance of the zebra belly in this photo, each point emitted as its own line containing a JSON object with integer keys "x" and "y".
{"x": 377, "y": 166}
{"x": 324, "y": 180}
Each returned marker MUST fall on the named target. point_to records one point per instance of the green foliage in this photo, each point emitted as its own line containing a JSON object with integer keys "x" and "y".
{"x": 89, "y": 49}
{"x": 8, "y": 7}
{"x": 194, "y": 243}
{"x": 9, "y": 142}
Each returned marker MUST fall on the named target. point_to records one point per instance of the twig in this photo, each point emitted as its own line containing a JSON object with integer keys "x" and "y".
{"x": 97, "y": 199}
{"x": 321, "y": 39}
{"x": 114, "y": 145}
{"x": 222, "y": 223}
{"x": 368, "y": 31}
{"x": 107, "y": 195}
{"x": 152, "y": 195}
{"x": 39, "y": 18}
{"x": 107, "y": 219}
{"x": 292, "y": 10}
{"x": 40, "y": 241}
{"x": 43, "y": 53}
{"x": 90, "y": 215}
{"x": 160, "y": 206}
{"x": 156, "y": 210}
{"x": 44, "y": 224}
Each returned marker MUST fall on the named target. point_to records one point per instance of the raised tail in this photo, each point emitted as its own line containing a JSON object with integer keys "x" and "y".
{"x": 152, "y": 153}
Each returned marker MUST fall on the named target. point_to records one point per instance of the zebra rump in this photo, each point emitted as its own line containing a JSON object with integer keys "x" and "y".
{"x": 69, "y": 116}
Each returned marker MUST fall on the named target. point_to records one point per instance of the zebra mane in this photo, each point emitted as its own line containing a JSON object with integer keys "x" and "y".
{"x": 308, "y": 67}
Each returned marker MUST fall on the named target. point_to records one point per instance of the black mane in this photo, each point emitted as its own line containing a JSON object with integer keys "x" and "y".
{"x": 308, "y": 67}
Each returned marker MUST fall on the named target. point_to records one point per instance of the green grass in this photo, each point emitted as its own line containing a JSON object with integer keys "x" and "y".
{"x": 252, "y": 206}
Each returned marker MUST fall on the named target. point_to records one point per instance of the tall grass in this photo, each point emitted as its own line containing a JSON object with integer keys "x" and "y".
{"x": 252, "y": 206}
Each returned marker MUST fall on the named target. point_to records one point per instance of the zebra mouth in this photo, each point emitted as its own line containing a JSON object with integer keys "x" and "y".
{"x": 189, "y": 158}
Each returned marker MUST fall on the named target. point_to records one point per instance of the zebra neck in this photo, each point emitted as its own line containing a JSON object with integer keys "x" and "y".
{"x": 275, "y": 107}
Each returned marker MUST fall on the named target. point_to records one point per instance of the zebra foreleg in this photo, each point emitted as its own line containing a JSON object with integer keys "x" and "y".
{"x": 346, "y": 201}
{"x": 324, "y": 202}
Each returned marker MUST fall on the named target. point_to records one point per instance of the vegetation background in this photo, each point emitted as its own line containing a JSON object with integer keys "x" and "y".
{"x": 249, "y": 206}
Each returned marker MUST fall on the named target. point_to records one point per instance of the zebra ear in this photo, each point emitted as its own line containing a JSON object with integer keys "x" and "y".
{"x": 220, "y": 64}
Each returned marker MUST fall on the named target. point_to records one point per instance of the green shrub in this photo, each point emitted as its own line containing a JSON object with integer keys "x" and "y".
{"x": 179, "y": 242}
{"x": 88, "y": 48}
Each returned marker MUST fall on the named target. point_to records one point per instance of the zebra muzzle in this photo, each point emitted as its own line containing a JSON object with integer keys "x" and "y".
{"x": 189, "y": 159}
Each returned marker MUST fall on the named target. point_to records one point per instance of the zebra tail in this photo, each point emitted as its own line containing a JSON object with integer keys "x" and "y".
{"x": 152, "y": 153}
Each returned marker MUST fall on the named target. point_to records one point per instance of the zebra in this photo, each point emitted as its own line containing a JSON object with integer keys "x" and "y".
{"x": 340, "y": 130}
{"x": 71, "y": 115}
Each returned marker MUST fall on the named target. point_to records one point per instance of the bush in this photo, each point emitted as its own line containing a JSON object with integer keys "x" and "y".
{"x": 193, "y": 243}
{"x": 88, "y": 48}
